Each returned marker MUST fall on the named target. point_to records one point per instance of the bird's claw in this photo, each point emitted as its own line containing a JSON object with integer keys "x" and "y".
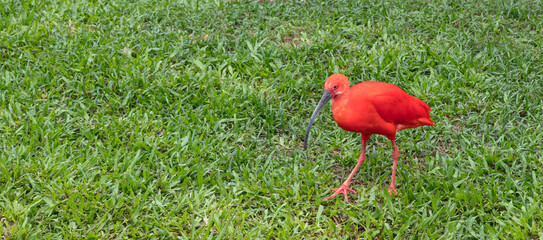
{"x": 392, "y": 191}
{"x": 344, "y": 189}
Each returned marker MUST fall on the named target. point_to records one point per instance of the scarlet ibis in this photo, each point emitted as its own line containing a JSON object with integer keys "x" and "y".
{"x": 370, "y": 108}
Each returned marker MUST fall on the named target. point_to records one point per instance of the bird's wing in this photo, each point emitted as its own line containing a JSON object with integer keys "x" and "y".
{"x": 401, "y": 108}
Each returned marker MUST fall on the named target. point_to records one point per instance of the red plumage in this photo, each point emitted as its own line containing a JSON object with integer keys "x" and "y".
{"x": 371, "y": 108}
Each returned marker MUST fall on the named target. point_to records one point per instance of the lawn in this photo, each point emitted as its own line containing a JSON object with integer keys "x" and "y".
{"x": 185, "y": 119}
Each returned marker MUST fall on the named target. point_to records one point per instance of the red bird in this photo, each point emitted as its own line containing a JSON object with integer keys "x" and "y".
{"x": 370, "y": 108}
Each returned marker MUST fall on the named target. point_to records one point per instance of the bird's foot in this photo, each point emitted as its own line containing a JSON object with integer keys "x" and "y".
{"x": 392, "y": 191}
{"x": 344, "y": 189}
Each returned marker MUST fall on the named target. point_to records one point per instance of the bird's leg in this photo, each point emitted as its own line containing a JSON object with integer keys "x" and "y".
{"x": 344, "y": 188}
{"x": 392, "y": 188}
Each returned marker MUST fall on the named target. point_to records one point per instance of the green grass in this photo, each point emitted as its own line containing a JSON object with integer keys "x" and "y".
{"x": 185, "y": 119}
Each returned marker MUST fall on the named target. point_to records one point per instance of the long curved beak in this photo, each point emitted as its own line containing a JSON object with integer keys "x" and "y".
{"x": 326, "y": 96}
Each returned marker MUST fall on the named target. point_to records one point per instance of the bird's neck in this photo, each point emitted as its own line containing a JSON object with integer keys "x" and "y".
{"x": 340, "y": 110}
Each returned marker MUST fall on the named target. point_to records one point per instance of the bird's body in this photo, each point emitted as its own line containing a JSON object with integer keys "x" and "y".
{"x": 371, "y": 108}
{"x": 378, "y": 108}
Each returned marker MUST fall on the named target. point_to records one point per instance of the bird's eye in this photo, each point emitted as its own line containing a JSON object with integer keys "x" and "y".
{"x": 335, "y": 86}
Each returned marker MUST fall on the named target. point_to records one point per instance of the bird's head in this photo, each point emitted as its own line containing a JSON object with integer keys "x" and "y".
{"x": 334, "y": 86}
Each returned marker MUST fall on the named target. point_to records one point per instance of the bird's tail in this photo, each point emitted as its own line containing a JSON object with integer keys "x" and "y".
{"x": 425, "y": 120}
